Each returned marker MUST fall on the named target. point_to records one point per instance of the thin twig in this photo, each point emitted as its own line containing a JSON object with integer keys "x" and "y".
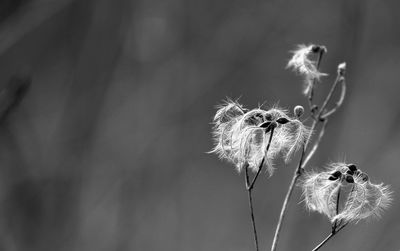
{"x": 249, "y": 192}
{"x": 296, "y": 175}
{"x": 301, "y": 166}
{"x": 334, "y": 226}
{"x": 284, "y": 207}
{"x": 263, "y": 160}
{"x": 311, "y": 93}
{"x": 333, "y": 233}
{"x": 329, "y": 96}
{"x": 316, "y": 144}
{"x": 339, "y": 102}
{"x": 249, "y": 188}
{"x": 324, "y": 241}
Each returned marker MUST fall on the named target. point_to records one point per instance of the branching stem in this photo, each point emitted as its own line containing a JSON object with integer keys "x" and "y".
{"x": 321, "y": 117}
{"x": 250, "y": 186}
{"x": 333, "y": 233}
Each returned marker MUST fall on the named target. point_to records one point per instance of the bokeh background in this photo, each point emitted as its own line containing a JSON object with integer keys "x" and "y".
{"x": 105, "y": 111}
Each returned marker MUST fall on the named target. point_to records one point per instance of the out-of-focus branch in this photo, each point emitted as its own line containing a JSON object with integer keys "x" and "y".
{"x": 12, "y": 94}
{"x": 27, "y": 19}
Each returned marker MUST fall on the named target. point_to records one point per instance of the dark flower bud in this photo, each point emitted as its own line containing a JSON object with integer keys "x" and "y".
{"x": 349, "y": 172}
{"x": 337, "y": 174}
{"x": 318, "y": 48}
{"x": 349, "y": 179}
{"x": 268, "y": 116}
{"x": 352, "y": 167}
{"x": 282, "y": 120}
{"x": 271, "y": 125}
{"x": 332, "y": 178}
{"x": 265, "y": 124}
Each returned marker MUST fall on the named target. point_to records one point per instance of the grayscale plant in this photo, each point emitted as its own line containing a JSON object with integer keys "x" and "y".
{"x": 322, "y": 192}
{"x": 256, "y": 137}
{"x": 252, "y": 139}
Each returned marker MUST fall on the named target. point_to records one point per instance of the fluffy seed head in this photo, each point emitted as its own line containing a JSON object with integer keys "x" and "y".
{"x": 242, "y": 137}
{"x": 302, "y": 63}
{"x": 362, "y": 200}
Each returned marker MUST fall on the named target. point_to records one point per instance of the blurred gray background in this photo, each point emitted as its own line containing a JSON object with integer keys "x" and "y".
{"x": 105, "y": 115}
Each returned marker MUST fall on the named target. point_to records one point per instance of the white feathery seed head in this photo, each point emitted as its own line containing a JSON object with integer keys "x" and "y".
{"x": 242, "y": 137}
{"x": 302, "y": 63}
{"x": 362, "y": 199}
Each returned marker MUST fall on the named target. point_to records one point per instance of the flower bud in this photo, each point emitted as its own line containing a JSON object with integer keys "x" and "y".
{"x": 282, "y": 120}
{"x": 349, "y": 179}
{"x": 352, "y": 167}
{"x": 342, "y": 69}
{"x": 298, "y": 111}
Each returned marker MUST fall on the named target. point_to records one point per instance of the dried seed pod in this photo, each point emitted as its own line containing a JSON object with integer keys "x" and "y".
{"x": 352, "y": 167}
{"x": 282, "y": 120}
{"x": 337, "y": 174}
{"x": 349, "y": 179}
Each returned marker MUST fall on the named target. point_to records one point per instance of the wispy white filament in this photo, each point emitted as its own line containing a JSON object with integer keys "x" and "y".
{"x": 241, "y": 139}
{"x": 302, "y": 63}
{"x": 365, "y": 199}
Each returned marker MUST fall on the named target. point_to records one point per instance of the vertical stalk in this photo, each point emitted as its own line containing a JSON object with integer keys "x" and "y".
{"x": 319, "y": 118}
{"x": 250, "y": 186}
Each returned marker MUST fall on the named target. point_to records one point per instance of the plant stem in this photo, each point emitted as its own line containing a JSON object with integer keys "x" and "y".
{"x": 249, "y": 192}
{"x": 302, "y": 165}
{"x": 316, "y": 144}
{"x": 249, "y": 188}
{"x": 324, "y": 241}
{"x": 340, "y": 101}
{"x": 311, "y": 94}
{"x": 296, "y": 175}
{"x": 284, "y": 207}
{"x": 263, "y": 160}
{"x": 333, "y": 233}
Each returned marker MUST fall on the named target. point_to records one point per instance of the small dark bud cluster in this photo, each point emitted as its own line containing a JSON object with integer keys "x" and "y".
{"x": 318, "y": 49}
{"x": 336, "y": 175}
{"x": 282, "y": 120}
{"x": 349, "y": 174}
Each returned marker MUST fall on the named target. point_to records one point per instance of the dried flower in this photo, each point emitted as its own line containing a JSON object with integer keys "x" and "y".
{"x": 242, "y": 137}
{"x": 363, "y": 199}
{"x": 302, "y": 63}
